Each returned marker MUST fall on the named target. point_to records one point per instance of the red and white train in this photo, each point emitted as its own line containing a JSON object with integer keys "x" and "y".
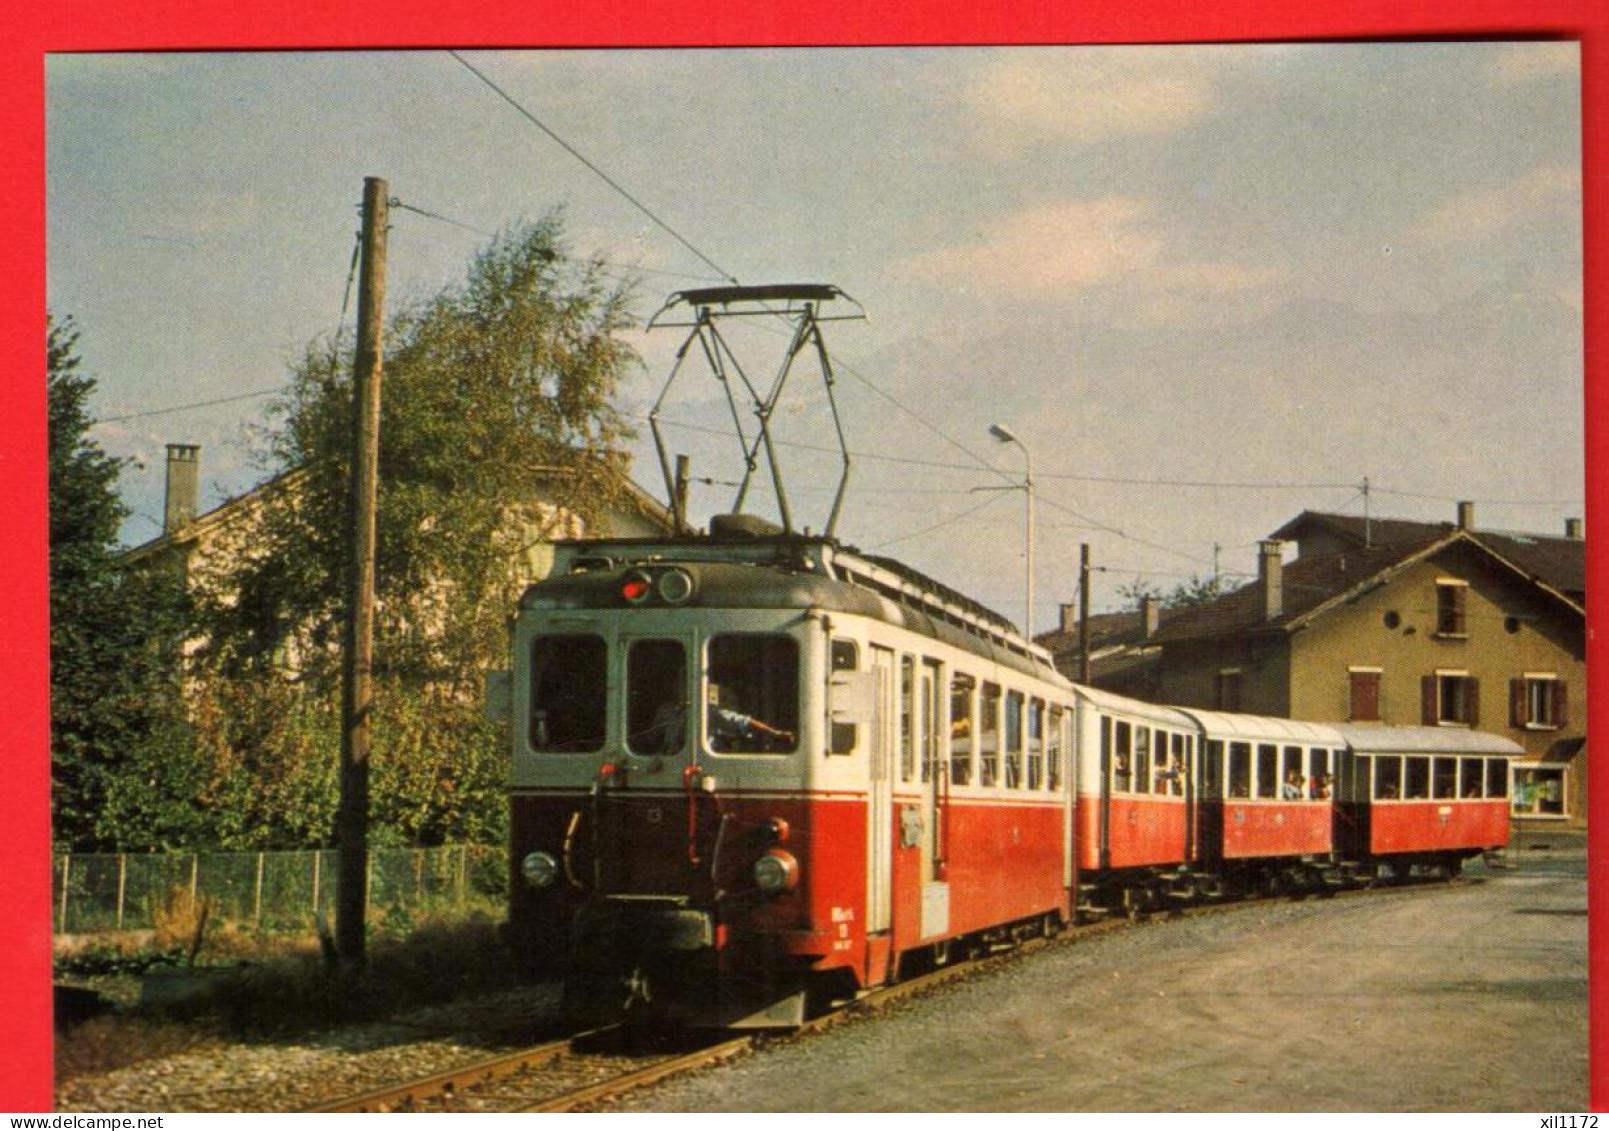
{"x": 754, "y": 771}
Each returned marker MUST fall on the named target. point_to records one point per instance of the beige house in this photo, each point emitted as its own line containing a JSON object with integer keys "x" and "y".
{"x": 1405, "y": 623}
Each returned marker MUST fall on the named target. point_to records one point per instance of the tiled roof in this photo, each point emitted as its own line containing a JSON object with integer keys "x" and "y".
{"x": 1106, "y": 630}
{"x": 1306, "y": 583}
{"x": 1560, "y": 562}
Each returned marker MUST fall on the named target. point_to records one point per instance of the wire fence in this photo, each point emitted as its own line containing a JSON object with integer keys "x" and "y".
{"x": 266, "y": 890}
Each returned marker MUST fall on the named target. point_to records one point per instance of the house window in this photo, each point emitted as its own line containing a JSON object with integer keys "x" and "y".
{"x": 1538, "y": 701}
{"x": 1229, "y": 689}
{"x": 1450, "y": 602}
{"x": 1364, "y": 697}
{"x": 1451, "y": 698}
{"x": 1539, "y": 792}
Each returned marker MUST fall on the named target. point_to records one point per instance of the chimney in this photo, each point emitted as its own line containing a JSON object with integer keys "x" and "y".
{"x": 184, "y": 476}
{"x": 1150, "y": 614}
{"x": 1069, "y": 618}
{"x": 1270, "y": 579}
{"x": 1466, "y": 516}
{"x": 1572, "y": 529}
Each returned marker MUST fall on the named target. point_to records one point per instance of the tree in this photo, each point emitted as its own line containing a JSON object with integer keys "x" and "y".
{"x": 491, "y": 387}
{"x": 1197, "y": 590}
{"x": 114, "y": 644}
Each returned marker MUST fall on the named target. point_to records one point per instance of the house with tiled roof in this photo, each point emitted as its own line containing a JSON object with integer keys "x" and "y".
{"x": 1123, "y": 653}
{"x": 1405, "y": 623}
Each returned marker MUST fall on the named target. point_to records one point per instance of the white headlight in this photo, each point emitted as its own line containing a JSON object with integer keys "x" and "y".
{"x": 540, "y": 869}
{"x": 675, "y": 586}
{"x": 776, "y": 871}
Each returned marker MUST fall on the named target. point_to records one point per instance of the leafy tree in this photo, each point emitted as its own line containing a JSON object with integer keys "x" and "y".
{"x": 1197, "y": 590}
{"x": 492, "y": 388}
{"x": 115, "y": 638}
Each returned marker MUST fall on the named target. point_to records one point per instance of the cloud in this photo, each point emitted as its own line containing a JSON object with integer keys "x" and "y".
{"x": 1051, "y": 247}
{"x": 1114, "y": 244}
{"x": 1090, "y": 96}
{"x": 1526, "y": 62}
{"x": 1480, "y": 214}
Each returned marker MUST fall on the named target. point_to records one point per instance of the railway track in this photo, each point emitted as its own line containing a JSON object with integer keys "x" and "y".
{"x": 592, "y": 1067}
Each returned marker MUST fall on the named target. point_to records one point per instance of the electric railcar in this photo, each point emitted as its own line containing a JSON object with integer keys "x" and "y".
{"x": 754, "y": 771}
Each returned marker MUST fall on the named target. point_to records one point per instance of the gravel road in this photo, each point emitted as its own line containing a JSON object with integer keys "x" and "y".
{"x": 1463, "y": 998}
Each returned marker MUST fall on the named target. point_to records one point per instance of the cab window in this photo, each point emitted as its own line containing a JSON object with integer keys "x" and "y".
{"x": 569, "y": 682}
{"x": 753, "y": 695}
{"x": 656, "y": 696}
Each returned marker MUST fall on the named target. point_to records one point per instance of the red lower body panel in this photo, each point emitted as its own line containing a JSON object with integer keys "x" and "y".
{"x": 1436, "y": 826}
{"x": 1254, "y": 829}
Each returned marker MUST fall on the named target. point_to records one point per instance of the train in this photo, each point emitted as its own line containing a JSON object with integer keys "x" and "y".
{"x": 755, "y": 772}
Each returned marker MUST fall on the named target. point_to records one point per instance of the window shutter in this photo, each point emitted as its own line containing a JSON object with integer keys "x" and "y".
{"x": 1516, "y": 703}
{"x": 1472, "y": 700}
{"x": 1427, "y": 700}
{"x": 1460, "y": 626}
{"x": 1561, "y": 703}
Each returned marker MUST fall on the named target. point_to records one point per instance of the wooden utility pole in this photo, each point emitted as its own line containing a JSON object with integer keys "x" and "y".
{"x": 679, "y": 503}
{"x": 1083, "y": 613}
{"x": 352, "y": 818}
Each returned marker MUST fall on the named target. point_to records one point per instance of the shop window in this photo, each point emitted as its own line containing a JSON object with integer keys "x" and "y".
{"x": 1539, "y": 792}
{"x": 962, "y": 728}
{"x": 1364, "y": 695}
{"x": 1450, "y": 608}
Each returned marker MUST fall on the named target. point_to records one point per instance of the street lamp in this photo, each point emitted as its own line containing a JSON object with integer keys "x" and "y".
{"x": 1007, "y": 436}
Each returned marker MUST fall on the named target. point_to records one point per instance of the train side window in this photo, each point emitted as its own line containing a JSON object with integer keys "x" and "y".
{"x": 1387, "y": 778}
{"x": 907, "y": 719}
{"x": 1183, "y": 750}
{"x": 1053, "y": 748}
{"x": 569, "y": 686}
{"x": 1444, "y": 778}
{"x": 1036, "y": 743}
{"x": 930, "y": 716}
{"x": 962, "y": 728}
{"x": 1213, "y": 768}
{"x": 1142, "y": 759}
{"x": 1267, "y": 770}
{"x": 753, "y": 703}
{"x": 844, "y": 656}
{"x": 1240, "y": 769}
{"x": 1292, "y": 783}
{"x": 989, "y": 735}
{"x": 1014, "y": 737}
{"x": 1122, "y": 755}
{"x": 1470, "y": 775}
{"x": 1318, "y": 774}
{"x": 1497, "y": 777}
{"x": 656, "y": 697}
{"x": 1416, "y": 778}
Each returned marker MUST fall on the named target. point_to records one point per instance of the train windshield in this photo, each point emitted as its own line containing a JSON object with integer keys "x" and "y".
{"x": 568, "y": 685}
{"x": 656, "y": 696}
{"x": 753, "y": 694}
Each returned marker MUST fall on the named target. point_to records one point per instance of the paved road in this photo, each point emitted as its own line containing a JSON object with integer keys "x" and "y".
{"x": 1464, "y": 998}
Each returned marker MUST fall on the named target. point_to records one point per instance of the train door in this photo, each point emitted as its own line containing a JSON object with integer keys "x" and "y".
{"x": 879, "y": 794}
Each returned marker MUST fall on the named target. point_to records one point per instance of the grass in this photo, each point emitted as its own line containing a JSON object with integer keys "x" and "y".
{"x": 276, "y": 986}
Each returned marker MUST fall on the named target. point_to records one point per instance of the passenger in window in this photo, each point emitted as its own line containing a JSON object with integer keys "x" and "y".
{"x": 1472, "y": 790}
{"x": 1292, "y": 789}
{"x": 1318, "y": 787}
{"x": 1167, "y": 776}
{"x": 729, "y": 727}
{"x": 1120, "y": 771}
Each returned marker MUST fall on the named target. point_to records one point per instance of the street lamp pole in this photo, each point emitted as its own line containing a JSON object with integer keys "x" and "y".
{"x": 1006, "y": 436}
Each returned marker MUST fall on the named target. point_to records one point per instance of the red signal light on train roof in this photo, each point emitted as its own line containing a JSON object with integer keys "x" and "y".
{"x": 636, "y": 587}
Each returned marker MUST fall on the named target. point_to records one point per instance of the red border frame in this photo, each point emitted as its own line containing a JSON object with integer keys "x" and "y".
{"x": 33, "y": 29}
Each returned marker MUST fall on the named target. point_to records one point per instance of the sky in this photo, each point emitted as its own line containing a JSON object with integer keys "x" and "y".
{"x": 1206, "y": 287}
